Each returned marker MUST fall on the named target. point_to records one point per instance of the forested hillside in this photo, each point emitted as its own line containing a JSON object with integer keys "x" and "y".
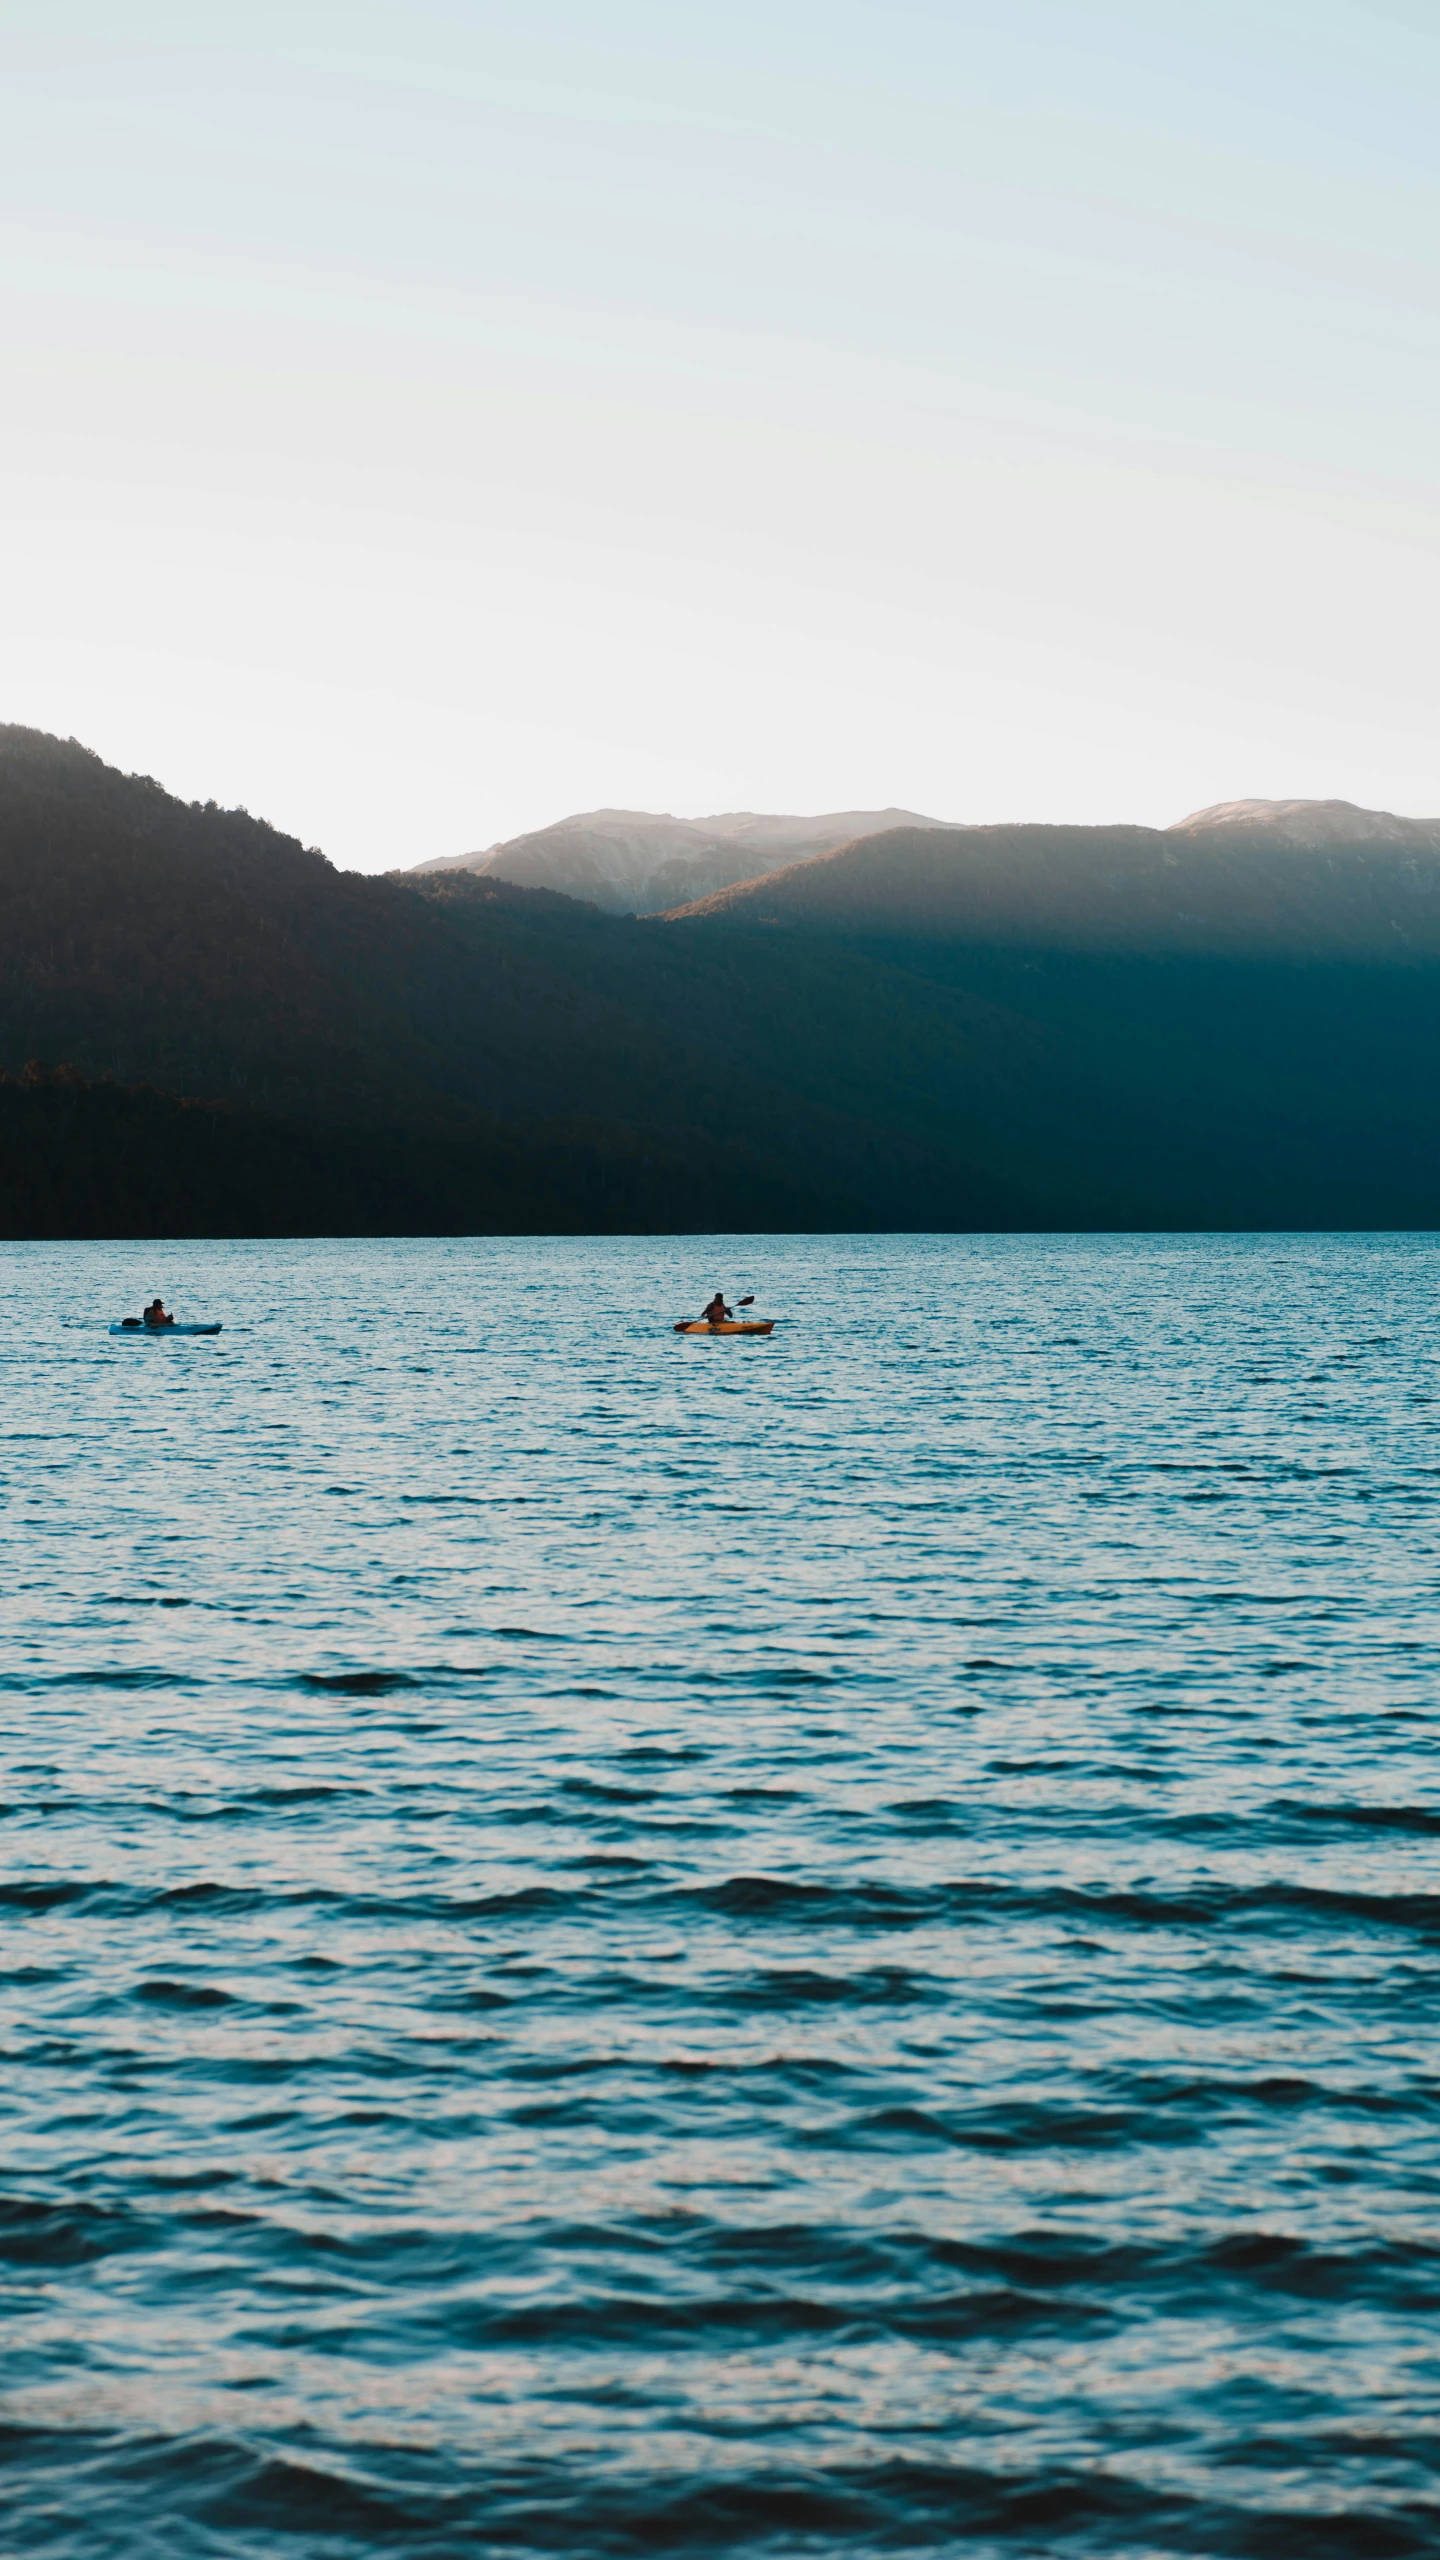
{"x": 256, "y": 1042}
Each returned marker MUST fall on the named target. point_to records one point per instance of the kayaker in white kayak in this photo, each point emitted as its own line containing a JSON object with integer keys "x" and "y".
{"x": 717, "y": 1312}
{"x": 155, "y": 1316}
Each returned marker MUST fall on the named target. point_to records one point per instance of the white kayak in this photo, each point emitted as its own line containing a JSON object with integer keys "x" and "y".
{"x": 158, "y": 1332}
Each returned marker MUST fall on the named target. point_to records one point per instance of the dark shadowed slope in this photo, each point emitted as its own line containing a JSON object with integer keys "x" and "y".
{"x": 1221, "y": 883}
{"x": 200, "y": 952}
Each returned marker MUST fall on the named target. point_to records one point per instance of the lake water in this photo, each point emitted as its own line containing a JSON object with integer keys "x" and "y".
{"x": 615, "y": 1944}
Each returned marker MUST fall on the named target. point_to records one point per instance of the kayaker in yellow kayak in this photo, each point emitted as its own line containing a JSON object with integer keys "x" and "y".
{"x": 717, "y": 1312}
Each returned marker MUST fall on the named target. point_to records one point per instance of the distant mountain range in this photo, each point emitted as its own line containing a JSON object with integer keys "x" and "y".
{"x": 629, "y": 862}
{"x": 1301, "y": 879}
{"x": 204, "y": 1028}
{"x": 1223, "y": 879}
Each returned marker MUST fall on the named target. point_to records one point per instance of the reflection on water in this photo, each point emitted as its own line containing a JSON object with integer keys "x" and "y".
{"x": 614, "y": 1943}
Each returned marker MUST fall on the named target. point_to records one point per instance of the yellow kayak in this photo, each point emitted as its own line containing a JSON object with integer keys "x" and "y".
{"x": 731, "y": 1327}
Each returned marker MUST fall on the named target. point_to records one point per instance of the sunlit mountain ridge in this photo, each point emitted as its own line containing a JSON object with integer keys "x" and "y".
{"x": 636, "y": 862}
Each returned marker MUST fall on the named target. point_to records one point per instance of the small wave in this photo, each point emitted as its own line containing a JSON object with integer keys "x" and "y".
{"x": 104, "y": 1678}
{"x": 1013, "y": 2127}
{"x": 280, "y": 2494}
{"x": 598, "y": 1793}
{"x": 48, "y": 1893}
{"x": 883, "y": 1987}
{"x": 776, "y": 1897}
{"x": 359, "y": 1684}
{"x": 298, "y": 1794}
{"x": 524, "y": 1899}
{"x": 1419, "y": 1819}
{"x": 38, "y": 2231}
{"x": 181, "y": 1995}
{"x": 664, "y": 1754}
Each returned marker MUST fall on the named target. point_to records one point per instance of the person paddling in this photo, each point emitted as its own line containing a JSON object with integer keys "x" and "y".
{"x": 717, "y": 1312}
{"x": 155, "y": 1315}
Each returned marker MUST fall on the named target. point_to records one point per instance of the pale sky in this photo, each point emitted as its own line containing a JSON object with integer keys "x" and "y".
{"x": 423, "y": 418}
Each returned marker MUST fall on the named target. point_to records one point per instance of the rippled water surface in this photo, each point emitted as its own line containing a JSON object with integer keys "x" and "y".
{"x": 615, "y": 1944}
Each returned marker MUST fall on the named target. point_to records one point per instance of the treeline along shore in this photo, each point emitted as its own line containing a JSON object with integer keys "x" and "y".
{"x": 207, "y": 1029}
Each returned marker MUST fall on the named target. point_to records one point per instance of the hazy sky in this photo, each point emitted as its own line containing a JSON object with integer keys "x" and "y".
{"x": 422, "y": 418}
